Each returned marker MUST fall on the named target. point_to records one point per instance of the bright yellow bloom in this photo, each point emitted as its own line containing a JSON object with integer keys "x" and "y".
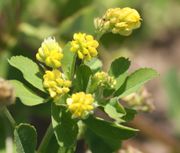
{"x": 80, "y": 104}
{"x": 55, "y": 83}
{"x": 103, "y": 79}
{"x": 84, "y": 45}
{"x": 50, "y": 53}
{"x": 119, "y": 21}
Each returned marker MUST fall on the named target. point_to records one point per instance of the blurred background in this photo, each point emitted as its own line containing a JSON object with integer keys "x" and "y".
{"x": 25, "y": 23}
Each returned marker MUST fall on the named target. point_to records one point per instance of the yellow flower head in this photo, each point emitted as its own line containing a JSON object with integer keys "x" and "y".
{"x": 80, "y": 104}
{"x": 84, "y": 45}
{"x": 104, "y": 80}
{"x": 50, "y": 53}
{"x": 120, "y": 21}
{"x": 55, "y": 83}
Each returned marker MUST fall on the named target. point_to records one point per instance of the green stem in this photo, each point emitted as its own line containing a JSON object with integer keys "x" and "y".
{"x": 9, "y": 124}
{"x": 9, "y": 136}
{"x": 8, "y": 115}
{"x": 46, "y": 139}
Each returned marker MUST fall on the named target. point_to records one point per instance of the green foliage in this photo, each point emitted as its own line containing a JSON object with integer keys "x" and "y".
{"x": 102, "y": 128}
{"x": 104, "y": 146}
{"x": 106, "y": 135}
{"x": 65, "y": 130}
{"x": 95, "y": 64}
{"x": 64, "y": 126}
{"x": 135, "y": 81}
{"x": 68, "y": 61}
{"x": 29, "y": 69}
{"x": 119, "y": 69}
{"x": 83, "y": 74}
{"x": 25, "y": 138}
{"x": 26, "y": 96}
{"x": 115, "y": 110}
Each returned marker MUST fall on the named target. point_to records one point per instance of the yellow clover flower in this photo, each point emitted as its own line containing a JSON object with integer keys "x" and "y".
{"x": 119, "y": 21}
{"x": 55, "y": 83}
{"x": 50, "y": 53}
{"x": 80, "y": 104}
{"x": 84, "y": 45}
{"x": 103, "y": 79}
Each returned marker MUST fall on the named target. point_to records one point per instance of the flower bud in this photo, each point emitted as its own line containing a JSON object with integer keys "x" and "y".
{"x": 7, "y": 93}
{"x": 104, "y": 80}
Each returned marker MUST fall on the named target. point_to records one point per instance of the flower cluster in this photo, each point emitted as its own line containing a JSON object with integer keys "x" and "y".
{"x": 84, "y": 45}
{"x": 119, "y": 21}
{"x": 116, "y": 20}
{"x": 50, "y": 53}
{"x": 55, "y": 83}
{"x": 104, "y": 80}
{"x": 80, "y": 104}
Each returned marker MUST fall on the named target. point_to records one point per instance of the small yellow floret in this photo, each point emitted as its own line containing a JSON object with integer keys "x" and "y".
{"x": 80, "y": 104}
{"x": 50, "y": 53}
{"x": 55, "y": 83}
{"x": 119, "y": 21}
{"x": 84, "y": 45}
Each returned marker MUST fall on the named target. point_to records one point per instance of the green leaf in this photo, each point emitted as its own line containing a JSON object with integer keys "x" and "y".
{"x": 64, "y": 126}
{"x": 25, "y": 138}
{"x": 109, "y": 131}
{"x": 115, "y": 110}
{"x": 29, "y": 69}
{"x": 104, "y": 146}
{"x": 95, "y": 64}
{"x": 119, "y": 69}
{"x": 82, "y": 78}
{"x": 52, "y": 146}
{"x": 26, "y": 96}
{"x": 68, "y": 61}
{"x": 135, "y": 81}
{"x": 130, "y": 114}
